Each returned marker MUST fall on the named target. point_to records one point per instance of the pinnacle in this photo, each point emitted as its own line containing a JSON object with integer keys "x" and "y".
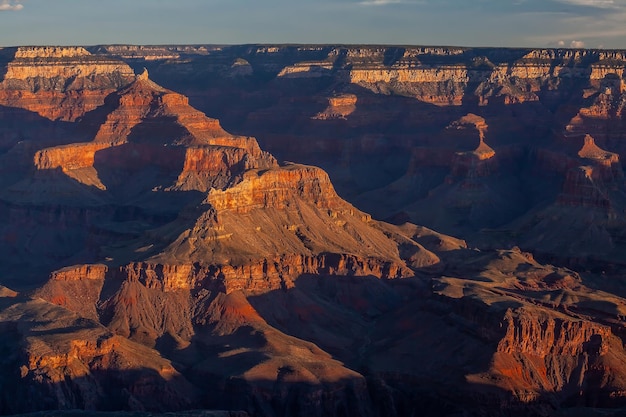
{"x": 143, "y": 76}
{"x": 144, "y": 81}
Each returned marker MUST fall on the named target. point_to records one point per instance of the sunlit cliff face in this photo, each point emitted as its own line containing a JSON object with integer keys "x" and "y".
{"x": 154, "y": 261}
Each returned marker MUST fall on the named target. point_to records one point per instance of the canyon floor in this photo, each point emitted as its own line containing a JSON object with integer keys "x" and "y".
{"x": 312, "y": 230}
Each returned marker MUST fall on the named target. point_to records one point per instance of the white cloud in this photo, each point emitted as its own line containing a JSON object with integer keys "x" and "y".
{"x": 606, "y": 28}
{"x": 602, "y": 4}
{"x": 561, "y": 43}
{"x": 6, "y": 6}
{"x": 577, "y": 44}
{"x": 379, "y": 2}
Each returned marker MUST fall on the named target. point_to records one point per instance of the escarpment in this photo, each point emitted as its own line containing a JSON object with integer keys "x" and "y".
{"x": 153, "y": 261}
{"x": 185, "y": 222}
{"x": 60, "y": 83}
{"x": 146, "y": 125}
{"x": 386, "y": 122}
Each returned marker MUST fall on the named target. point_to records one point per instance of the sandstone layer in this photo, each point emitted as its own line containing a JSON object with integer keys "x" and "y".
{"x": 153, "y": 261}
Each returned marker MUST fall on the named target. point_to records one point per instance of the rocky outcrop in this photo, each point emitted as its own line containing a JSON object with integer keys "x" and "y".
{"x": 215, "y": 167}
{"x": 276, "y": 189}
{"x": 589, "y": 185}
{"x": 185, "y": 140}
{"x": 44, "y": 52}
{"x": 258, "y": 277}
{"x": 542, "y": 336}
{"x": 607, "y": 163}
{"x": 583, "y": 188}
{"x": 201, "y": 265}
{"x": 67, "y": 362}
{"x": 61, "y": 83}
{"x": 68, "y": 157}
{"x": 479, "y": 162}
{"x": 339, "y": 107}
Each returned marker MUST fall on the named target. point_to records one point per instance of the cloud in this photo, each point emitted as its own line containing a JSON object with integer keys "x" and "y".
{"x": 386, "y": 2}
{"x": 577, "y": 44}
{"x": 561, "y": 43}
{"x": 8, "y": 6}
{"x": 602, "y": 4}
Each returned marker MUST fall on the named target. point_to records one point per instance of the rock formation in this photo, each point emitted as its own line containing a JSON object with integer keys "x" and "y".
{"x": 60, "y": 83}
{"x": 154, "y": 262}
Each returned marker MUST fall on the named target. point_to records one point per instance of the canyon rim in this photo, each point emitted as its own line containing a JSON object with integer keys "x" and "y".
{"x": 312, "y": 230}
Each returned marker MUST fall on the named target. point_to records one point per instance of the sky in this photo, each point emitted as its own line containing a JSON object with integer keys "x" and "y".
{"x": 511, "y": 23}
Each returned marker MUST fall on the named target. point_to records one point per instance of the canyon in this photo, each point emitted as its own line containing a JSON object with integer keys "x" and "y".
{"x": 319, "y": 230}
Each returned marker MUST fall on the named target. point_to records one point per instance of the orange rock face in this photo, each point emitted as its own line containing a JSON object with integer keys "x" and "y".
{"x": 73, "y": 81}
{"x": 339, "y": 107}
{"x": 156, "y": 262}
{"x": 277, "y": 189}
{"x": 184, "y": 139}
{"x": 68, "y": 157}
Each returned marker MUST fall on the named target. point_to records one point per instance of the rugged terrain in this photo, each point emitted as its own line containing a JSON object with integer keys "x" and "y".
{"x": 155, "y": 261}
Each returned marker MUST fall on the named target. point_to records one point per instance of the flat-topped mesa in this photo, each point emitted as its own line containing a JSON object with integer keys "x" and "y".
{"x": 79, "y": 272}
{"x": 607, "y": 163}
{"x": 583, "y": 187}
{"x": 479, "y": 162}
{"x": 422, "y": 83}
{"x": 473, "y": 120}
{"x": 307, "y": 70}
{"x": 292, "y": 211}
{"x": 275, "y": 188}
{"x": 50, "y": 52}
{"x": 68, "y": 157}
{"x": 145, "y": 52}
{"x": 61, "y": 83}
{"x": 64, "y": 69}
{"x": 592, "y": 151}
{"x": 442, "y": 77}
{"x": 339, "y": 107}
{"x": 483, "y": 152}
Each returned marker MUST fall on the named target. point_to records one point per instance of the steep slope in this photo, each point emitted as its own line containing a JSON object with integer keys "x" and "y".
{"x": 142, "y": 120}
{"x": 56, "y": 359}
{"x": 243, "y": 224}
{"x": 147, "y": 143}
{"x": 583, "y": 222}
{"x": 381, "y": 121}
{"x": 164, "y": 263}
{"x": 59, "y": 83}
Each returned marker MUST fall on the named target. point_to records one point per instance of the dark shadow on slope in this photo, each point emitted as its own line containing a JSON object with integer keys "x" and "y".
{"x": 131, "y": 170}
{"x": 23, "y": 133}
{"x": 7, "y": 55}
{"x": 46, "y": 225}
{"x": 340, "y": 147}
{"x": 140, "y": 389}
{"x": 402, "y": 340}
{"x": 50, "y": 220}
{"x": 392, "y": 55}
{"x": 413, "y": 347}
{"x": 410, "y": 353}
{"x": 91, "y": 122}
